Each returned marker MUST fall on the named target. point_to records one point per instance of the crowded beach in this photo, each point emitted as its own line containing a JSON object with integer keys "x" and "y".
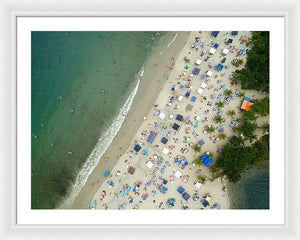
{"x": 167, "y": 163}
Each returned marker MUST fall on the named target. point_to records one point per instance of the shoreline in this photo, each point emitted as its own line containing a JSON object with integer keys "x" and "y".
{"x": 141, "y": 106}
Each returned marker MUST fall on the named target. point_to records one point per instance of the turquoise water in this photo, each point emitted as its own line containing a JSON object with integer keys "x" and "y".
{"x": 252, "y": 192}
{"x": 80, "y": 81}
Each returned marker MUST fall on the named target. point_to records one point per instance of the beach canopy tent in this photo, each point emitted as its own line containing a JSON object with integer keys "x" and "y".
{"x": 181, "y": 190}
{"x": 215, "y": 33}
{"x": 137, "y": 148}
{"x": 165, "y": 151}
{"x": 196, "y": 71}
{"x": 193, "y": 99}
{"x": 203, "y": 85}
{"x": 205, "y": 203}
{"x": 229, "y": 40}
{"x": 198, "y": 117}
{"x": 131, "y": 170}
{"x": 200, "y": 90}
{"x": 176, "y": 126}
{"x": 165, "y": 181}
{"x": 201, "y": 142}
{"x": 178, "y": 174}
{"x": 180, "y": 98}
{"x": 247, "y": 99}
{"x": 225, "y": 51}
{"x": 186, "y": 196}
{"x": 151, "y": 137}
{"x": 198, "y": 185}
{"x": 164, "y": 140}
{"x": 206, "y": 160}
{"x": 179, "y": 117}
{"x": 246, "y": 105}
{"x": 198, "y": 62}
{"x": 149, "y": 164}
{"x": 234, "y": 32}
{"x": 220, "y": 67}
{"x": 212, "y": 51}
{"x": 212, "y": 63}
{"x": 162, "y": 115}
{"x": 209, "y": 73}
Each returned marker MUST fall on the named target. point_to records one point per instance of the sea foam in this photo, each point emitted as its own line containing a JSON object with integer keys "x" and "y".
{"x": 100, "y": 148}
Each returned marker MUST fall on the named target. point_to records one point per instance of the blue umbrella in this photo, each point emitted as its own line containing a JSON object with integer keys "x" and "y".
{"x": 223, "y": 126}
{"x": 106, "y": 174}
{"x": 181, "y": 86}
{"x": 196, "y": 125}
{"x": 173, "y": 89}
{"x": 94, "y": 205}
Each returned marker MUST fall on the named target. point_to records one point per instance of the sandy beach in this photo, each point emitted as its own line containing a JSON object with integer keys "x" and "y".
{"x": 176, "y": 106}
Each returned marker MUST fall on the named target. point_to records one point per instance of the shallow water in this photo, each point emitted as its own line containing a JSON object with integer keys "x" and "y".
{"x": 252, "y": 192}
{"x": 80, "y": 81}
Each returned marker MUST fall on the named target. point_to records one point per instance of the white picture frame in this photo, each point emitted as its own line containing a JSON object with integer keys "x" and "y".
{"x": 9, "y": 13}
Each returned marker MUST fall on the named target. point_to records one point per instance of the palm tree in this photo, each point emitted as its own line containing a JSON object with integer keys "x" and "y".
{"x": 210, "y": 129}
{"x": 202, "y": 179}
{"x": 242, "y": 95}
{"x": 252, "y": 137}
{"x": 231, "y": 113}
{"x": 228, "y": 93}
{"x": 220, "y": 104}
{"x": 218, "y": 119}
{"x": 240, "y": 61}
{"x": 265, "y": 127}
{"x": 197, "y": 148}
{"x": 223, "y": 136}
{"x": 198, "y": 162}
{"x": 210, "y": 155}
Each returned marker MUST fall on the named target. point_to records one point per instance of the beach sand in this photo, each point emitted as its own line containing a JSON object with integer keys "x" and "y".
{"x": 146, "y": 189}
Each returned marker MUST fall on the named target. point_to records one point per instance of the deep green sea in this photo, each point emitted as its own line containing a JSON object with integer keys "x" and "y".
{"x": 82, "y": 86}
{"x": 252, "y": 191}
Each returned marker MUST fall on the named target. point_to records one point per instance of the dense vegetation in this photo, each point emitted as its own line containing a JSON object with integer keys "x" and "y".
{"x": 237, "y": 158}
{"x": 255, "y": 75}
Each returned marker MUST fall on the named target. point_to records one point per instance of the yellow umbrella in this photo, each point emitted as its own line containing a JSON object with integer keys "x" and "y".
{"x": 191, "y": 87}
{"x": 178, "y": 106}
{"x": 145, "y": 118}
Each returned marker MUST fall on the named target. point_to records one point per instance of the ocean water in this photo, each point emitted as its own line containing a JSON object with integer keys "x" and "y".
{"x": 82, "y": 87}
{"x": 252, "y": 191}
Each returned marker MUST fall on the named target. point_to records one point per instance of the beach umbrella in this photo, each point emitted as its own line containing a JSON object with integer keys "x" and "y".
{"x": 223, "y": 126}
{"x": 204, "y": 51}
{"x": 191, "y": 87}
{"x": 196, "y": 125}
{"x": 188, "y": 65}
{"x": 181, "y": 86}
{"x": 106, "y": 174}
{"x": 221, "y": 130}
{"x": 178, "y": 106}
{"x": 173, "y": 89}
{"x": 202, "y": 76}
{"x": 171, "y": 66}
{"x": 145, "y": 118}
{"x": 94, "y": 205}
{"x": 171, "y": 116}
{"x": 188, "y": 117}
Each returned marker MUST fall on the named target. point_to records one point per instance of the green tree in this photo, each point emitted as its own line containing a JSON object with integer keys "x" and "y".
{"x": 246, "y": 127}
{"x": 202, "y": 179}
{"x": 220, "y": 104}
{"x": 228, "y": 93}
{"x": 231, "y": 113}
{"x": 210, "y": 155}
{"x": 242, "y": 95}
{"x": 265, "y": 127}
{"x": 218, "y": 119}
{"x": 197, "y": 148}
{"x": 261, "y": 107}
{"x": 250, "y": 115}
{"x": 255, "y": 74}
{"x": 198, "y": 161}
{"x": 223, "y": 136}
{"x": 210, "y": 129}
